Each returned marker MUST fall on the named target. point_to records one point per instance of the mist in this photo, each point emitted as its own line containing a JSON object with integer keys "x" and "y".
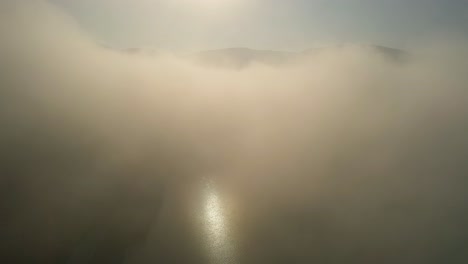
{"x": 340, "y": 157}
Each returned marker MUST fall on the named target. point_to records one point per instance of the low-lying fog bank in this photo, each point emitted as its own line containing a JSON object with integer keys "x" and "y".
{"x": 344, "y": 156}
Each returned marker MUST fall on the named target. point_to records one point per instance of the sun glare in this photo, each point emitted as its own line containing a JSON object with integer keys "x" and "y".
{"x": 212, "y": 5}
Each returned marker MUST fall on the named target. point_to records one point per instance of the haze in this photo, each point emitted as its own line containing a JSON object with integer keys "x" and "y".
{"x": 144, "y": 132}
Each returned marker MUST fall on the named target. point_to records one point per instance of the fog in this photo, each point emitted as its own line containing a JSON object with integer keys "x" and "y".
{"x": 341, "y": 157}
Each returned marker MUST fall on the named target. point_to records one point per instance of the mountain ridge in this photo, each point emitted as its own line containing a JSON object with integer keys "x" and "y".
{"x": 241, "y": 57}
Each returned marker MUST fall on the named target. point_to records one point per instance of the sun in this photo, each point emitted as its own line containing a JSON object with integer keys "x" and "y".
{"x": 213, "y": 5}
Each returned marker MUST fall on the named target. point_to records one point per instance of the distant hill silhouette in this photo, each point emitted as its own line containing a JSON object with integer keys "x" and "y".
{"x": 238, "y": 58}
{"x": 242, "y": 57}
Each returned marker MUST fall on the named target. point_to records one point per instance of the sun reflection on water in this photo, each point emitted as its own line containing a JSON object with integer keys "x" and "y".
{"x": 219, "y": 242}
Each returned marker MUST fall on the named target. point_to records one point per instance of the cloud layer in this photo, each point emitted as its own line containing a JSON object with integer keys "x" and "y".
{"x": 367, "y": 155}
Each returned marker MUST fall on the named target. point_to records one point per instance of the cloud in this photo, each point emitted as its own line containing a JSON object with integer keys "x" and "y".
{"x": 369, "y": 154}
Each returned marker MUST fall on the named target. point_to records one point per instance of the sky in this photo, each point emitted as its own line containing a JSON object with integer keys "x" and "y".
{"x": 264, "y": 24}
